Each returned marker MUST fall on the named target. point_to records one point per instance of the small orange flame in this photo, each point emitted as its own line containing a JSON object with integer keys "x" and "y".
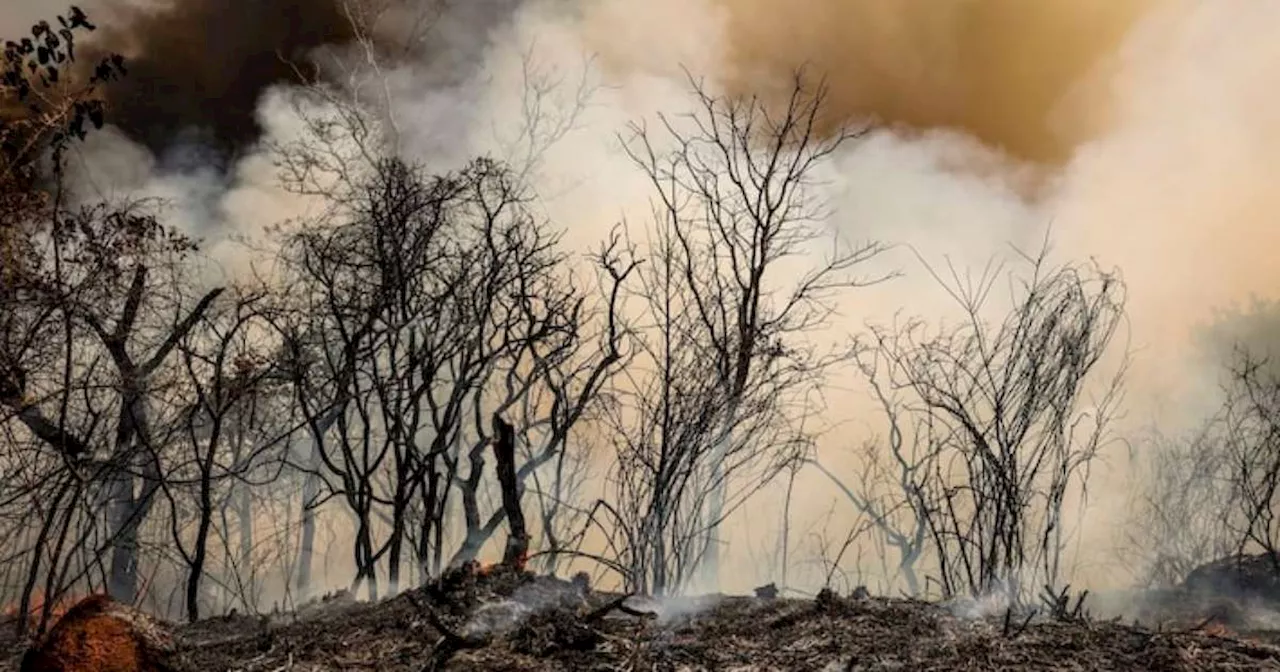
{"x": 1216, "y": 629}
{"x": 36, "y": 607}
{"x": 486, "y": 570}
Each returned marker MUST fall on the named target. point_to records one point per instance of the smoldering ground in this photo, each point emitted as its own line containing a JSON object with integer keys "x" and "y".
{"x": 1141, "y": 131}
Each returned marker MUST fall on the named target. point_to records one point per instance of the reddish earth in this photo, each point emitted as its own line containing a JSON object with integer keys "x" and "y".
{"x": 100, "y": 635}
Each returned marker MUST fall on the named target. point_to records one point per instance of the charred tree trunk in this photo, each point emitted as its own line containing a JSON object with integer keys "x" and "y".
{"x": 504, "y": 453}
{"x": 470, "y": 487}
{"x": 429, "y": 553}
{"x": 250, "y": 585}
{"x": 395, "y": 546}
{"x": 122, "y": 582}
{"x": 310, "y": 493}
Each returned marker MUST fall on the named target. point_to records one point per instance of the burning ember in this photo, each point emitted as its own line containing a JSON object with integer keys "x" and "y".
{"x": 56, "y": 611}
{"x": 98, "y": 634}
{"x": 485, "y": 570}
{"x": 1216, "y": 629}
{"x": 482, "y": 570}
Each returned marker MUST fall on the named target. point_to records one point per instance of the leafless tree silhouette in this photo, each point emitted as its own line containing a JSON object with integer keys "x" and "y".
{"x": 424, "y": 304}
{"x": 1007, "y": 427}
{"x": 232, "y": 431}
{"x": 1249, "y": 431}
{"x": 711, "y": 410}
{"x": 1177, "y": 515}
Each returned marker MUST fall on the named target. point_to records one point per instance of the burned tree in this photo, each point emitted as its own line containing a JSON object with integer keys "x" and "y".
{"x": 421, "y": 305}
{"x": 1249, "y": 436}
{"x": 504, "y": 454}
{"x": 1002, "y": 413}
{"x": 112, "y": 316}
{"x": 231, "y": 431}
{"x": 91, "y": 316}
{"x": 551, "y": 382}
{"x": 1177, "y": 511}
{"x": 885, "y": 492}
{"x": 1206, "y": 515}
{"x": 710, "y": 414}
{"x": 362, "y": 371}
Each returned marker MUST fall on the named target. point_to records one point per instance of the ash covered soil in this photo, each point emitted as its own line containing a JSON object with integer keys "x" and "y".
{"x": 516, "y": 621}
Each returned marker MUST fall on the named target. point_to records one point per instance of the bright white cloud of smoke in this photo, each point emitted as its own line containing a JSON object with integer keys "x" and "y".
{"x": 1172, "y": 181}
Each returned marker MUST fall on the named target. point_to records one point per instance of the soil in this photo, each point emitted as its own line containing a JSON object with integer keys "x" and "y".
{"x": 509, "y": 620}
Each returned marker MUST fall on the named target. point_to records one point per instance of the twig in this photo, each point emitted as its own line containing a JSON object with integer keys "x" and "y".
{"x": 1009, "y": 632}
{"x": 1198, "y": 627}
{"x": 608, "y": 607}
{"x": 618, "y": 604}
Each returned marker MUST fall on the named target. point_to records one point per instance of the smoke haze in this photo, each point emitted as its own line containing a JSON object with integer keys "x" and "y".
{"x": 200, "y": 66}
{"x": 197, "y": 69}
{"x": 1150, "y": 124}
{"x": 1014, "y": 74}
{"x": 1143, "y": 131}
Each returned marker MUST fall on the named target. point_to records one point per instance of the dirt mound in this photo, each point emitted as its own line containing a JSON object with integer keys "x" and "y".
{"x": 100, "y": 635}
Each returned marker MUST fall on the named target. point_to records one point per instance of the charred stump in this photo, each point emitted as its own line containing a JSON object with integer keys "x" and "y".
{"x": 99, "y": 634}
{"x": 504, "y": 452}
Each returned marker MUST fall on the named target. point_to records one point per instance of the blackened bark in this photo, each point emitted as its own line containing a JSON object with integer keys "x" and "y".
{"x": 504, "y": 452}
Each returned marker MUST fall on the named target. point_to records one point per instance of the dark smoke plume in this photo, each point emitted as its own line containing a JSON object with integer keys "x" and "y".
{"x": 199, "y": 66}
{"x": 1018, "y": 74}
{"x": 196, "y": 69}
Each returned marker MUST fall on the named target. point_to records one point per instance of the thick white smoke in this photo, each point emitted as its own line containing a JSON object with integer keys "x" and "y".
{"x": 1145, "y": 138}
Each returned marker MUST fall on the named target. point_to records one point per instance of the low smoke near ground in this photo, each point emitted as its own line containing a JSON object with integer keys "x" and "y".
{"x": 1139, "y": 134}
